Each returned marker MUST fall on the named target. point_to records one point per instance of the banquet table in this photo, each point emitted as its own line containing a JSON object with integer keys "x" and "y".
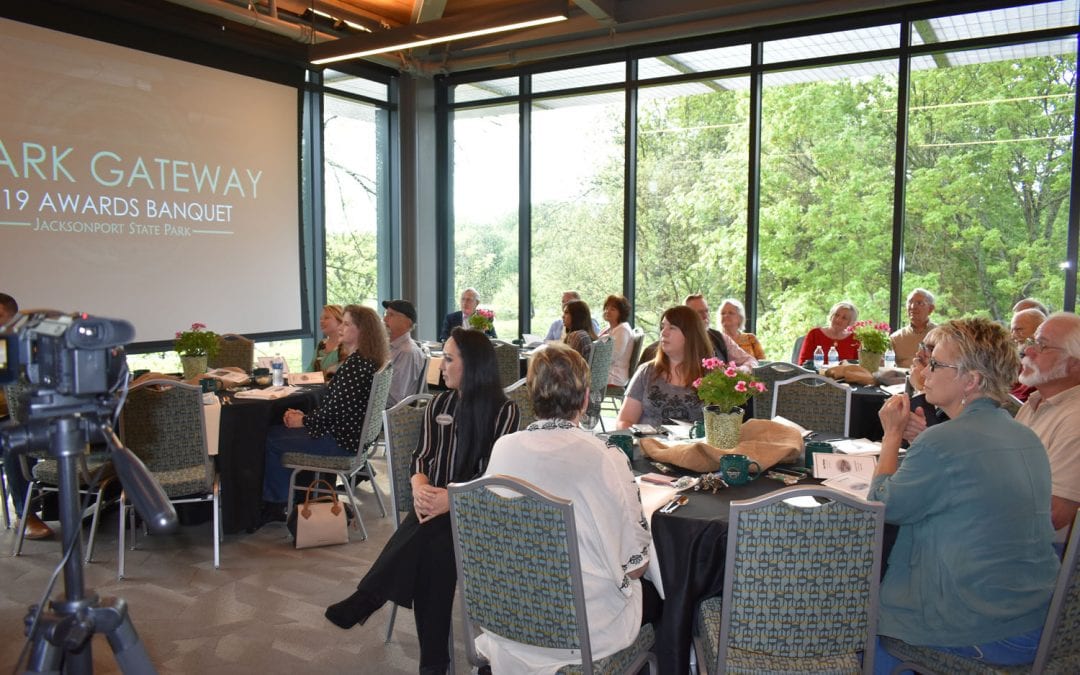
{"x": 241, "y": 452}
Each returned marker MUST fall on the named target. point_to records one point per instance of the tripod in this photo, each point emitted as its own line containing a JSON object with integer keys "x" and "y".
{"x": 61, "y": 636}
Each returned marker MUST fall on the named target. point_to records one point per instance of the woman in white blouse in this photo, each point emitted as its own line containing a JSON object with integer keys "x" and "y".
{"x": 617, "y": 313}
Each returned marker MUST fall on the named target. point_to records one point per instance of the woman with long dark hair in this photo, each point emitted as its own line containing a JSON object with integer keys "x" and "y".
{"x": 416, "y": 568}
{"x": 664, "y": 387}
{"x": 579, "y": 331}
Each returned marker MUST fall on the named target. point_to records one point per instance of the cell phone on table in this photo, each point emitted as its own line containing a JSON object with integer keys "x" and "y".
{"x": 644, "y": 430}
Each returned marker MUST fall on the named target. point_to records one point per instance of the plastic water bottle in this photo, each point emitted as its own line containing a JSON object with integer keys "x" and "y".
{"x": 890, "y": 358}
{"x": 834, "y": 356}
{"x": 277, "y": 370}
{"x": 819, "y": 358}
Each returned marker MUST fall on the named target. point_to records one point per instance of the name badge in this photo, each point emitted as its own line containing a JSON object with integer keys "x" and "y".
{"x": 444, "y": 419}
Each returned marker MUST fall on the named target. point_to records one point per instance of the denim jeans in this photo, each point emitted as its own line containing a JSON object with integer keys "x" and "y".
{"x": 279, "y": 440}
{"x": 1011, "y": 651}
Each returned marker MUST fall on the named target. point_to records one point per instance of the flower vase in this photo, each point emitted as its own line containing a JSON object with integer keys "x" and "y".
{"x": 870, "y": 360}
{"x": 193, "y": 366}
{"x": 722, "y": 428}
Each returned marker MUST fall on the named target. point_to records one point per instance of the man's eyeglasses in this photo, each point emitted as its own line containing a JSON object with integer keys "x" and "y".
{"x": 935, "y": 364}
{"x": 1033, "y": 346}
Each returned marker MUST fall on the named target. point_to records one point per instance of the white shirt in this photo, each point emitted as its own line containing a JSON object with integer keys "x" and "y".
{"x": 621, "y": 353}
{"x": 613, "y": 536}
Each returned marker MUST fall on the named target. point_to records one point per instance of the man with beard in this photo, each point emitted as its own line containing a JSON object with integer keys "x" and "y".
{"x": 1051, "y": 362}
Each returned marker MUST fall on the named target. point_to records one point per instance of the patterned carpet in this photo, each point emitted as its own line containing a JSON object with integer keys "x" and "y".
{"x": 261, "y": 613}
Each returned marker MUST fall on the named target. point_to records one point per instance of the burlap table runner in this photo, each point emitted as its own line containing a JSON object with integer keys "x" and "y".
{"x": 763, "y": 441}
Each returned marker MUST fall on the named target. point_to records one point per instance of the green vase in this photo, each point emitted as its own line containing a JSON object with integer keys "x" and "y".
{"x": 722, "y": 428}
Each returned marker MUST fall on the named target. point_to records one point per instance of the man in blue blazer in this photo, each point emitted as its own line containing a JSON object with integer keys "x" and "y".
{"x": 470, "y": 300}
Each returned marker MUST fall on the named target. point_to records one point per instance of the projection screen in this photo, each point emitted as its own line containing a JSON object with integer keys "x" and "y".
{"x": 141, "y": 187}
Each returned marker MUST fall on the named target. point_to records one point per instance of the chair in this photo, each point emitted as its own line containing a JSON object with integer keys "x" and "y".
{"x": 95, "y": 476}
{"x": 815, "y": 402}
{"x": 1059, "y": 648}
{"x": 615, "y": 393}
{"x": 421, "y": 380}
{"x": 797, "y": 348}
{"x": 508, "y": 359}
{"x": 498, "y": 537}
{"x": 770, "y": 374}
{"x": 233, "y": 351}
{"x": 162, "y": 423}
{"x": 349, "y": 467}
{"x": 800, "y": 587}
{"x": 599, "y": 371}
{"x": 518, "y": 392}
{"x": 402, "y": 426}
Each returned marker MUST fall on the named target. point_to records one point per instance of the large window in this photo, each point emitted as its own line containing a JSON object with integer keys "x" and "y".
{"x": 486, "y": 210}
{"x": 989, "y": 168}
{"x": 355, "y": 179}
{"x": 577, "y": 202}
{"x": 980, "y": 215}
{"x": 828, "y": 142}
{"x": 691, "y": 195}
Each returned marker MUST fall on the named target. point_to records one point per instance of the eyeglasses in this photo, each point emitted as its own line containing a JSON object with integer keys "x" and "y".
{"x": 935, "y": 364}
{"x": 1034, "y": 346}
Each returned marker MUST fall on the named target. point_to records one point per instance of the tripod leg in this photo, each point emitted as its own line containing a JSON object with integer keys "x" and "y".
{"x": 111, "y": 618}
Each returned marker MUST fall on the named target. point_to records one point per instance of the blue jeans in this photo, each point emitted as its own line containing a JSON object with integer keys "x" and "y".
{"x": 281, "y": 439}
{"x": 1012, "y": 651}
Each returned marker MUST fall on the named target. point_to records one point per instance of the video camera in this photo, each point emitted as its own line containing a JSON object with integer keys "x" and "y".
{"x": 71, "y": 361}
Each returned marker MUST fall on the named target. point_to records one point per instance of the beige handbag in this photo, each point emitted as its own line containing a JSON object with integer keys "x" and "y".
{"x": 321, "y": 520}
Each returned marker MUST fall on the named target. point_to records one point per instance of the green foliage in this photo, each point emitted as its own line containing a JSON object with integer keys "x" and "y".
{"x": 351, "y": 273}
{"x": 197, "y": 341}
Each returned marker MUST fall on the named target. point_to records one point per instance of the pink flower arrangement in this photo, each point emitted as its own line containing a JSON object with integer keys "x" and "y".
{"x": 872, "y": 337}
{"x": 725, "y": 386}
{"x": 197, "y": 341}
{"x": 482, "y": 319}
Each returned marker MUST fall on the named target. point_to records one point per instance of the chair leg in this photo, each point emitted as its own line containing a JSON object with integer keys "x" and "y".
{"x": 390, "y": 625}
{"x": 94, "y": 523}
{"x": 121, "y": 537}
{"x": 217, "y": 523}
{"x": 356, "y": 506}
{"x": 4, "y": 491}
{"x": 20, "y": 532}
{"x": 292, "y": 489}
{"x": 374, "y": 487}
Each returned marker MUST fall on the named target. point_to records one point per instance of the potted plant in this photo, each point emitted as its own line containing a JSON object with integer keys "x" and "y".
{"x": 873, "y": 339}
{"x": 724, "y": 389}
{"x": 482, "y": 320}
{"x": 194, "y": 347}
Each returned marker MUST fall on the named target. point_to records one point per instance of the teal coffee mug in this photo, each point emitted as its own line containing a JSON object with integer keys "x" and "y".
{"x": 624, "y": 442}
{"x": 738, "y": 469}
{"x": 813, "y": 447}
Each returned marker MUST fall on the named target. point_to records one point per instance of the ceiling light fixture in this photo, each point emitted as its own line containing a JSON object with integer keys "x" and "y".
{"x": 523, "y": 15}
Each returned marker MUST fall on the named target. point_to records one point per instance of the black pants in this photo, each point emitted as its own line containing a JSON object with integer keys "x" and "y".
{"x": 416, "y": 569}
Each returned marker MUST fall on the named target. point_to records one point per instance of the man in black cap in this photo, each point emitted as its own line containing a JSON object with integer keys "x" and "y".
{"x": 406, "y": 357}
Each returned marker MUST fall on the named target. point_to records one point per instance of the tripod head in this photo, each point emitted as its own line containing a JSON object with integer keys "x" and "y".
{"x": 75, "y": 367}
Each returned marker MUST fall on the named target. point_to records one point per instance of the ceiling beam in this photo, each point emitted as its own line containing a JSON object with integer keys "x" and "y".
{"x": 601, "y": 10}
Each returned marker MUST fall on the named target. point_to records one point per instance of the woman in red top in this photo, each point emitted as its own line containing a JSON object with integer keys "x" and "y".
{"x": 841, "y": 317}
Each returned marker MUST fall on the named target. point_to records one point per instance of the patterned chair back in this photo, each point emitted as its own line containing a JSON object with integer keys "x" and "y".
{"x": 403, "y": 425}
{"x": 507, "y": 358}
{"x": 233, "y": 351}
{"x": 770, "y": 374}
{"x": 801, "y": 582}
{"x": 421, "y": 380}
{"x": 518, "y": 564}
{"x": 814, "y": 402}
{"x": 162, "y": 423}
{"x": 373, "y": 421}
{"x": 600, "y": 368}
{"x": 518, "y": 392}
{"x": 1059, "y": 650}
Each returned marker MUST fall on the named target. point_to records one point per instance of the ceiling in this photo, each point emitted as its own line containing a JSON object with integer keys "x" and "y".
{"x": 286, "y": 30}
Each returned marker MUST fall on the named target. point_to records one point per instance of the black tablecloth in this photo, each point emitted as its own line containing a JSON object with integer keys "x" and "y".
{"x": 242, "y": 453}
{"x": 865, "y": 404}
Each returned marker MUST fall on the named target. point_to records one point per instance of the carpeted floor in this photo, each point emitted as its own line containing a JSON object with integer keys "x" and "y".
{"x": 260, "y": 613}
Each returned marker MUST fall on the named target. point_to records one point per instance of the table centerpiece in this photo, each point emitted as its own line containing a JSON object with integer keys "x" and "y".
{"x": 723, "y": 389}
{"x": 195, "y": 346}
{"x": 873, "y": 339}
{"x": 482, "y": 320}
